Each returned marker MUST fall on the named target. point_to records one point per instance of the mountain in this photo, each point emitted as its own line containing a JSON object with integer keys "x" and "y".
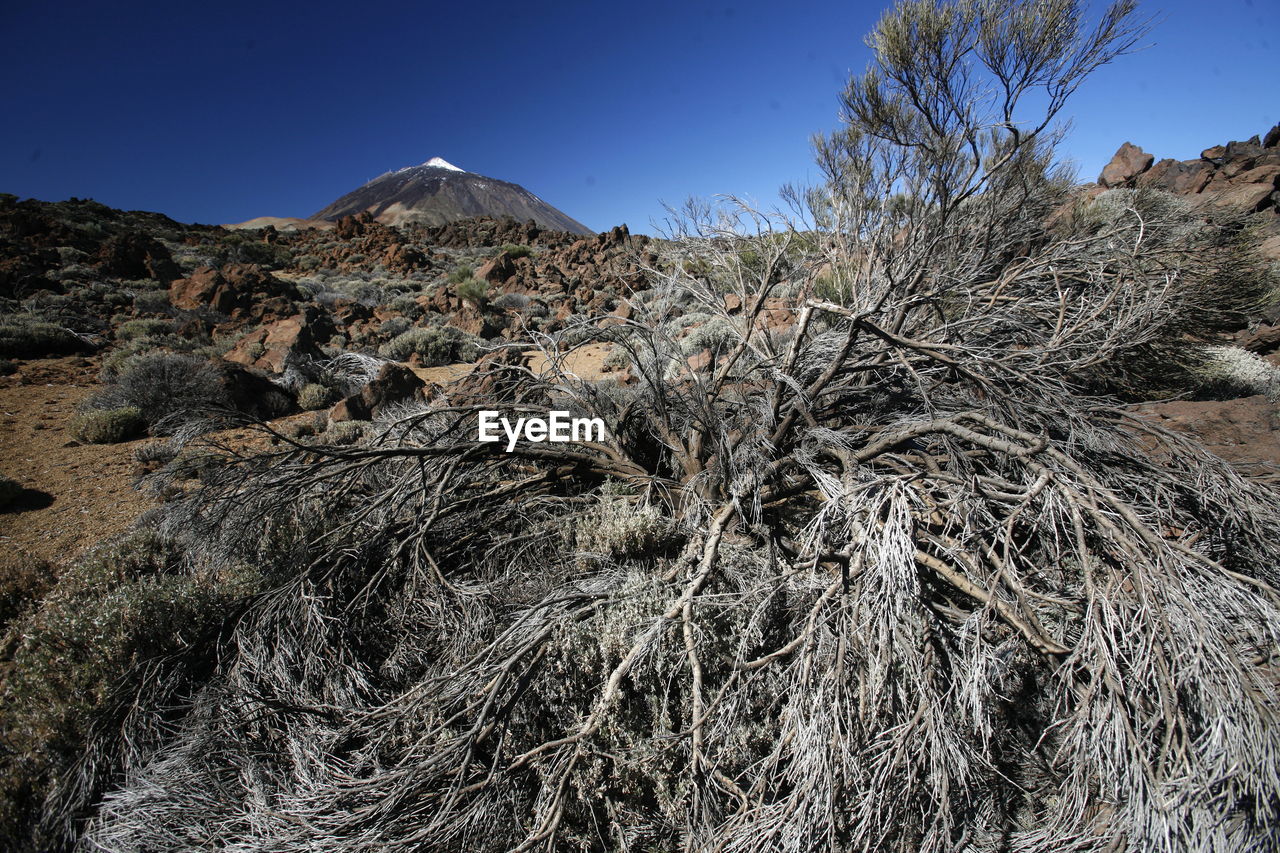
{"x": 438, "y": 192}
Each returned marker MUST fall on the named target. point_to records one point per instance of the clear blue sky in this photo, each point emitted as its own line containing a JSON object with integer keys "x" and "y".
{"x": 221, "y": 112}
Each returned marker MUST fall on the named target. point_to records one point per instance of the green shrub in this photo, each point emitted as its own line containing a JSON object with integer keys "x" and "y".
{"x": 474, "y": 291}
{"x": 9, "y": 491}
{"x": 143, "y": 328}
{"x": 461, "y": 273}
{"x": 314, "y": 396}
{"x": 516, "y": 250}
{"x": 26, "y": 337}
{"x": 115, "y": 623}
{"x": 23, "y": 581}
{"x": 151, "y": 302}
{"x": 108, "y": 426}
{"x": 168, "y": 388}
{"x": 434, "y": 346}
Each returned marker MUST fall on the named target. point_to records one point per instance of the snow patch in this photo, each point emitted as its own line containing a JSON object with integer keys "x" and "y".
{"x": 441, "y": 163}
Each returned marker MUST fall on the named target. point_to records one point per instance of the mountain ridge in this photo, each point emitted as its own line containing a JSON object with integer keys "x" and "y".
{"x": 438, "y": 192}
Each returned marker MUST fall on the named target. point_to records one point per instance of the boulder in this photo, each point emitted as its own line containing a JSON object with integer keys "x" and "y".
{"x": 1129, "y": 162}
{"x": 394, "y": 383}
{"x": 498, "y": 269}
{"x": 1180, "y": 178}
{"x": 235, "y": 290}
{"x": 250, "y": 392}
{"x": 274, "y": 346}
{"x": 132, "y": 255}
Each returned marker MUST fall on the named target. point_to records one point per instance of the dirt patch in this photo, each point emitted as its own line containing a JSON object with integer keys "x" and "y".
{"x": 76, "y": 496}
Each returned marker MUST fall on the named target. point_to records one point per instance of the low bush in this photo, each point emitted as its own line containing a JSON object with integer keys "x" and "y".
{"x": 26, "y": 337}
{"x": 461, "y": 273}
{"x": 315, "y": 396}
{"x": 167, "y": 388}
{"x": 143, "y": 328}
{"x": 108, "y": 426}
{"x": 515, "y": 250}
{"x": 474, "y": 291}
{"x": 23, "y": 581}
{"x": 434, "y": 345}
{"x": 121, "y": 618}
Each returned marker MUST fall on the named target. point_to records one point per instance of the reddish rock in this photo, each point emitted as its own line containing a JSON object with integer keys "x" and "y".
{"x": 1272, "y": 139}
{"x": 1128, "y": 162}
{"x": 1214, "y": 154}
{"x": 394, "y": 383}
{"x": 1180, "y": 178}
{"x": 1244, "y": 431}
{"x": 497, "y": 270}
{"x": 132, "y": 255}
{"x": 235, "y": 290}
{"x": 273, "y": 346}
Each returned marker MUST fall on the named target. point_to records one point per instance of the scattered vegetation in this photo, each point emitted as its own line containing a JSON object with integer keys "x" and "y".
{"x": 109, "y": 426}
{"x": 434, "y": 345}
{"x": 29, "y": 337}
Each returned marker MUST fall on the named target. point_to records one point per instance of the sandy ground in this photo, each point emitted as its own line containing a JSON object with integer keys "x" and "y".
{"x": 75, "y": 496}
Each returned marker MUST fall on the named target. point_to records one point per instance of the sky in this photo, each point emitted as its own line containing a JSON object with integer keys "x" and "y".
{"x": 217, "y": 113}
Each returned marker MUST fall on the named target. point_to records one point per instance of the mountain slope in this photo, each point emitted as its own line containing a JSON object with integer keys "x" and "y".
{"x": 438, "y": 192}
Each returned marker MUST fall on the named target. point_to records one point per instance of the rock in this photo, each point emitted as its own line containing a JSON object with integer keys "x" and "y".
{"x": 1214, "y": 154}
{"x": 394, "y": 383}
{"x": 404, "y": 258}
{"x": 497, "y": 270}
{"x": 274, "y": 346}
{"x": 1244, "y": 431}
{"x": 1180, "y": 178}
{"x": 252, "y": 393}
{"x": 133, "y": 255}
{"x": 1272, "y": 139}
{"x": 235, "y": 290}
{"x": 1129, "y": 162}
{"x": 700, "y": 362}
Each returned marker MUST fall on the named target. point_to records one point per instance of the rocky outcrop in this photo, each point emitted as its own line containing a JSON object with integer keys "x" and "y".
{"x": 237, "y": 290}
{"x": 276, "y": 345}
{"x": 132, "y": 255}
{"x": 1129, "y": 162}
{"x": 1243, "y": 176}
{"x": 394, "y": 383}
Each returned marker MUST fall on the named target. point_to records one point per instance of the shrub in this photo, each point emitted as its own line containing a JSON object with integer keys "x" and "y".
{"x": 1233, "y": 372}
{"x": 434, "y": 346}
{"x": 108, "y": 426}
{"x": 167, "y": 388}
{"x": 515, "y": 250}
{"x": 143, "y": 328}
{"x": 26, "y": 337}
{"x": 406, "y": 305}
{"x": 23, "y": 581}
{"x": 512, "y": 301}
{"x": 461, "y": 273}
{"x": 151, "y": 302}
{"x": 120, "y": 619}
{"x": 474, "y": 291}
{"x": 315, "y": 396}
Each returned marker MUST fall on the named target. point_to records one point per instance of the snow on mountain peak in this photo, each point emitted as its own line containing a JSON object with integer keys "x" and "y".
{"x": 441, "y": 163}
